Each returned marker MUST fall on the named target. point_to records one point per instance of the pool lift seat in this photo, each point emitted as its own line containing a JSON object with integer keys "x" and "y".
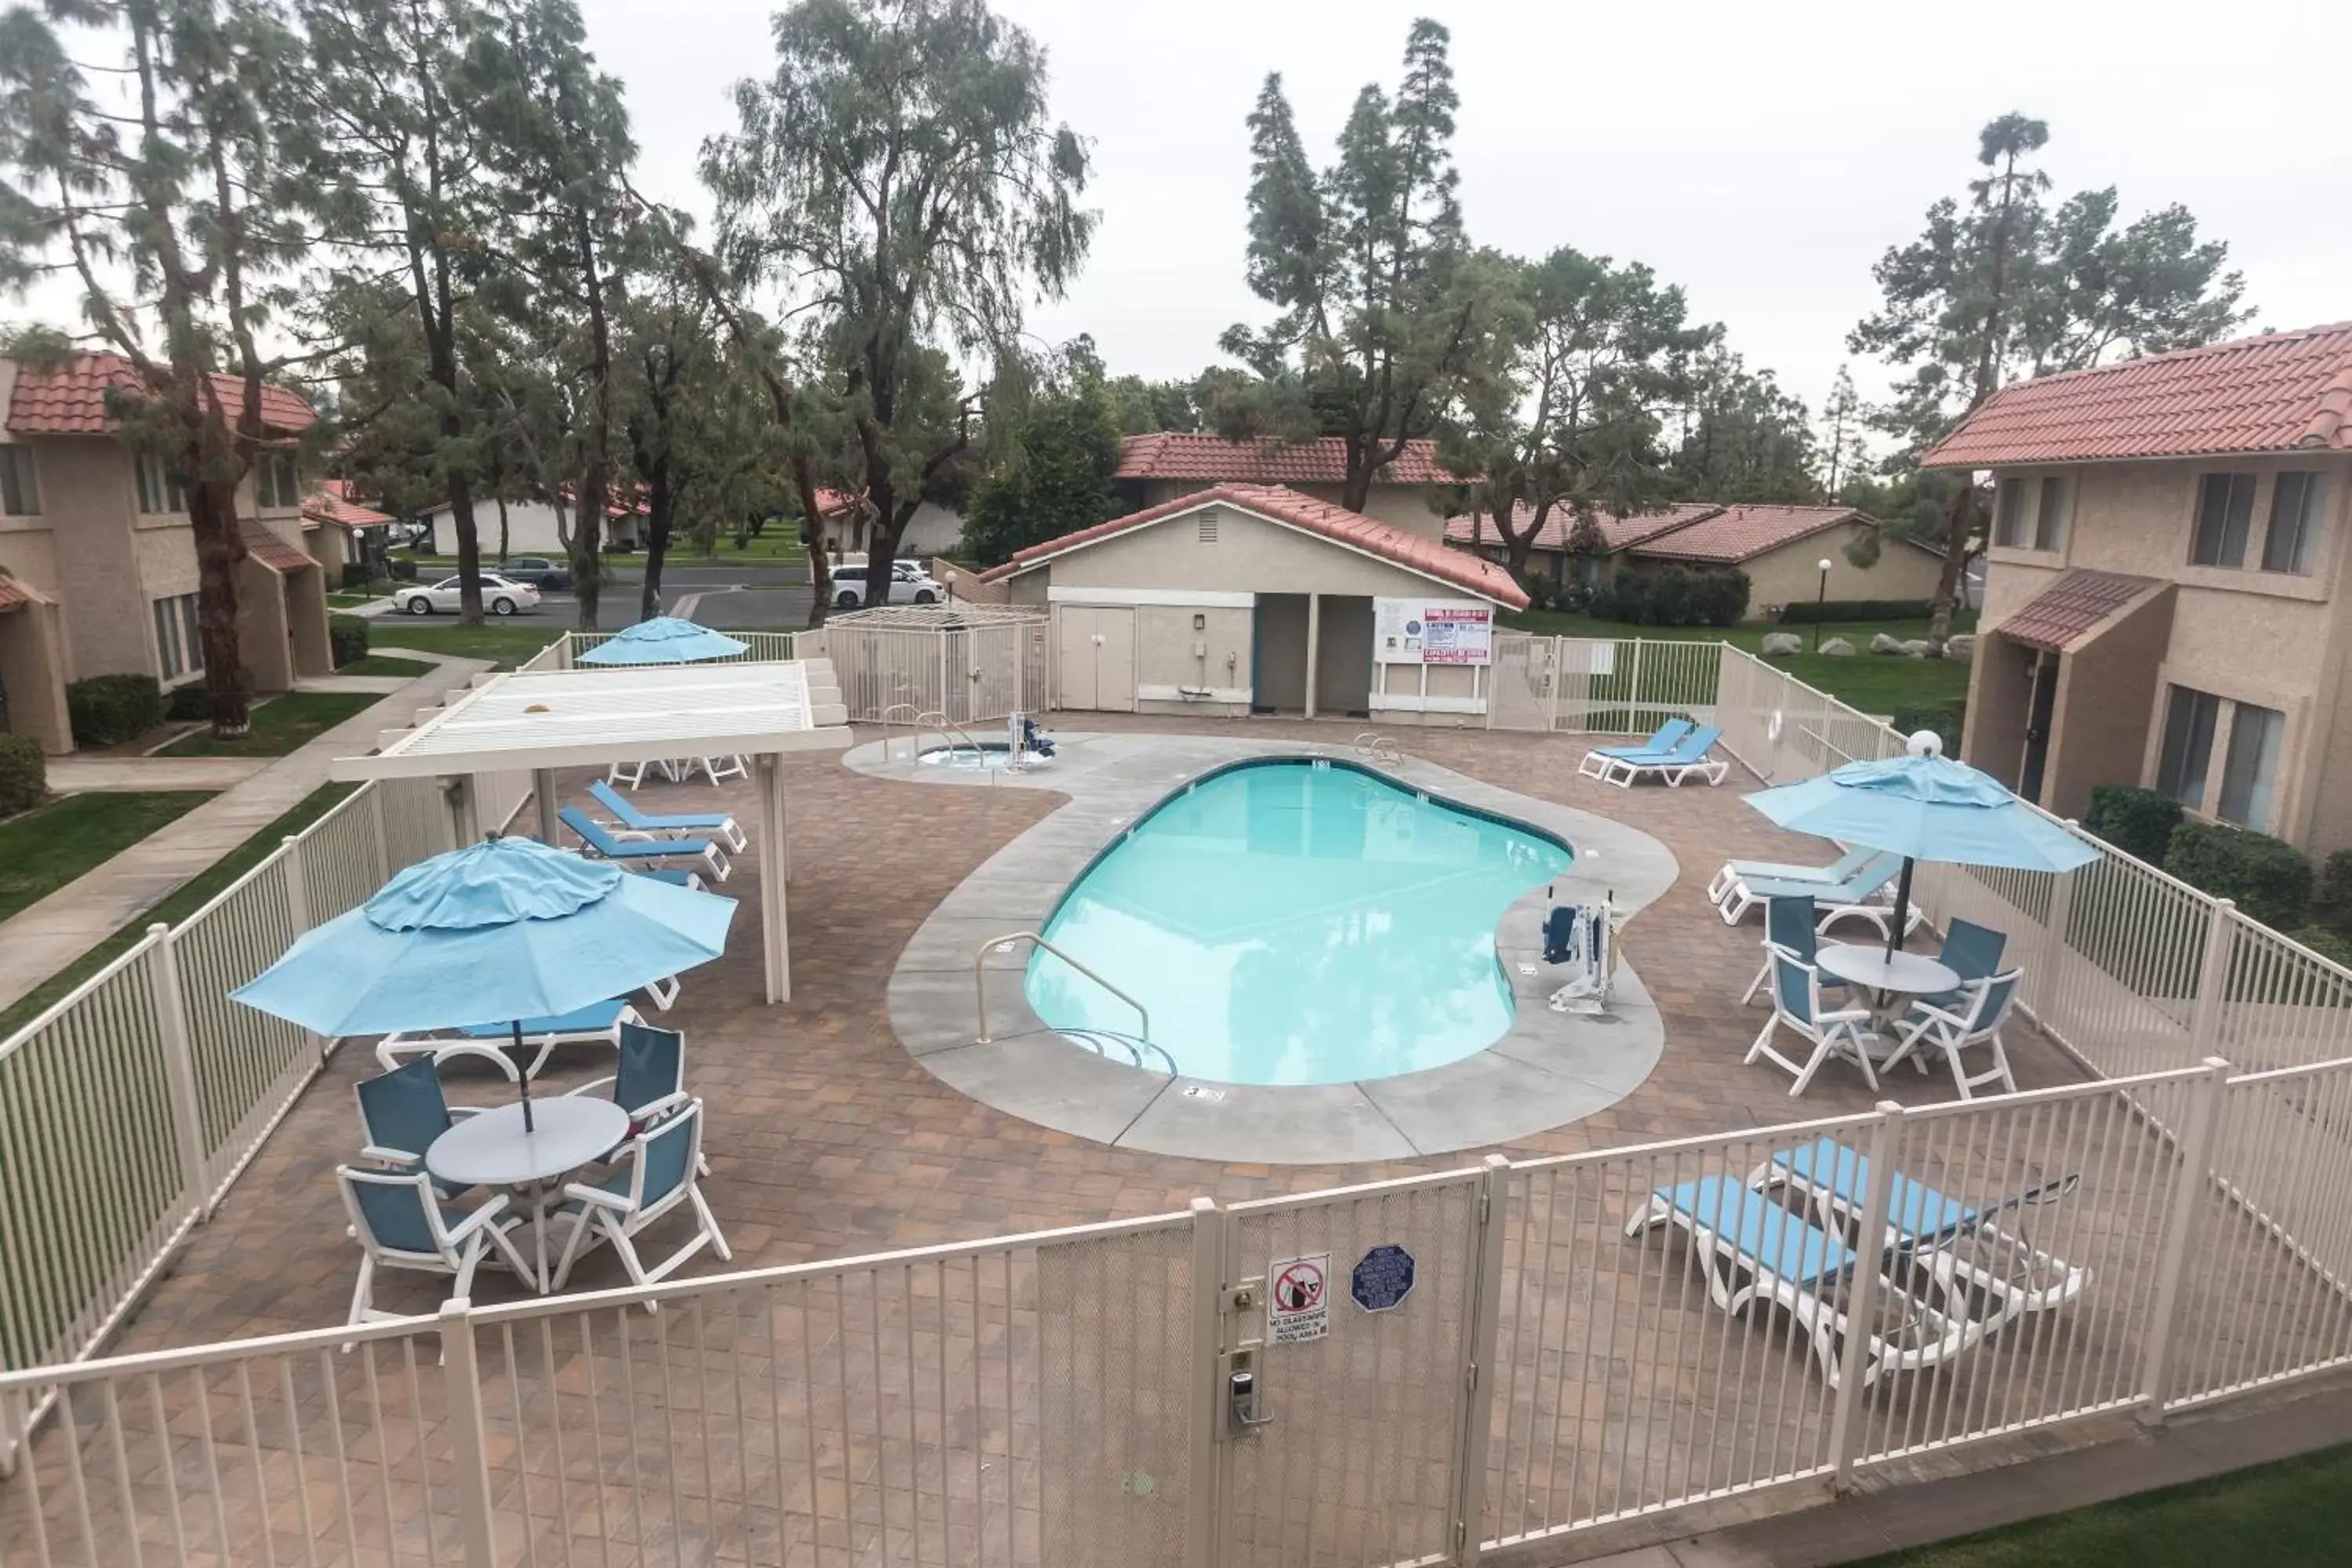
{"x": 1583, "y": 938}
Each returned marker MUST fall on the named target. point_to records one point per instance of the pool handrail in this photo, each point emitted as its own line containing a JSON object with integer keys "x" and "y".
{"x": 950, "y": 732}
{"x": 979, "y": 980}
{"x": 914, "y": 739}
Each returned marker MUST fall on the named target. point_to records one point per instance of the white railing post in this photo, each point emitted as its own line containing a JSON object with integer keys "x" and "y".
{"x": 298, "y": 888}
{"x": 2213, "y": 977}
{"x": 1862, "y": 1300}
{"x": 1634, "y": 693}
{"x": 374, "y": 792}
{"x": 461, "y": 1381}
{"x": 2180, "y": 1233}
{"x": 1206, "y": 1407}
{"x": 180, "y": 1068}
{"x": 1494, "y": 1196}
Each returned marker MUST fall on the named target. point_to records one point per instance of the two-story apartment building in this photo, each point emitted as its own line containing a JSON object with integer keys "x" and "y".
{"x": 98, "y": 561}
{"x": 1156, "y": 469}
{"x": 2168, "y": 603}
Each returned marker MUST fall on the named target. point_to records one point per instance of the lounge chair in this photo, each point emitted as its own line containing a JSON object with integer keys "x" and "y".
{"x": 1756, "y": 1250}
{"x": 599, "y": 1023}
{"x": 1684, "y": 758}
{"x": 1866, "y": 895}
{"x": 400, "y": 1223}
{"x": 634, "y": 848}
{"x": 1789, "y": 924}
{"x": 719, "y": 770}
{"x": 716, "y": 823}
{"x": 659, "y": 1169}
{"x": 1836, "y": 871}
{"x": 1974, "y": 1020}
{"x": 1596, "y": 761}
{"x": 1834, "y": 1180}
{"x": 633, "y": 774}
{"x": 690, "y": 881}
{"x": 1797, "y": 1008}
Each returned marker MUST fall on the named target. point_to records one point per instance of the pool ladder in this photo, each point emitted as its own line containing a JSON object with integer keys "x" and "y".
{"x": 1139, "y": 1044}
{"x": 948, "y": 729}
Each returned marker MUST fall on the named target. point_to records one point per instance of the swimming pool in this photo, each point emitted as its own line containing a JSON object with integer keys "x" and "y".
{"x": 1295, "y": 921}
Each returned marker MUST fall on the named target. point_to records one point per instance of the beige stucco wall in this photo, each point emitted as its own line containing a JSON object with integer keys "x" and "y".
{"x": 1792, "y": 574}
{"x": 103, "y": 567}
{"x": 2109, "y": 697}
{"x": 1166, "y": 660}
{"x": 32, "y": 669}
{"x": 1405, "y": 506}
{"x": 1248, "y": 556}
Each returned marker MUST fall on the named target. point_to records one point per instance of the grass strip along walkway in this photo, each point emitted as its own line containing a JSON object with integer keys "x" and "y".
{"x": 280, "y": 725}
{"x": 43, "y": 849}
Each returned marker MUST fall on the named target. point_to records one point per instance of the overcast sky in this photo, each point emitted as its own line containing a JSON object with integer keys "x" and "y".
{"x": 1761, "y": 156}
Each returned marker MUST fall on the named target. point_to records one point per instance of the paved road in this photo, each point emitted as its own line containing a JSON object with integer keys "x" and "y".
{"x": 756, "y": 597}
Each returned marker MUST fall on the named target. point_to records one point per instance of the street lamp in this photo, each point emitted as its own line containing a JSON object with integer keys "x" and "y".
{"x": 1819, "y": 600}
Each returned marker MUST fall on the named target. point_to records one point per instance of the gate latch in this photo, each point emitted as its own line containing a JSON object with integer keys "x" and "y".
{"x": 1241, "y": 1397}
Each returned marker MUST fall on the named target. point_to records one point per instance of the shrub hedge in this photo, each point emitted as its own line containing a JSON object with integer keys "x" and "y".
{"x": 403, "y": 570}
{"x": 2328, "y": 942}
{"x": 195, "y": 700}
{"x": 24, "y": 774}
{"x": 2139, "y": 822}
{"x": 1806, "y": 614}
{"x": 2269, "y": 880}
{"x": 348, "y": 637}
{"x": 1945, "y": 718}
{"x": 1676, "y": 596}
{"x": 108, "y": 709}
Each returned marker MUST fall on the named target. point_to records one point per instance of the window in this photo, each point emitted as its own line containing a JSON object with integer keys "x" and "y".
{"x": 276, "y": 481}
{"x": 179, "y": 646}
{"x": 2188, "y": 721}
{"x": 159, "y": 491}
{"x": 2252, "y": 767}
{"x": 2292, "y": 543}
{"x": 2050, "y": 515}
{"x": 20, "y": 493}
{"x": 2008, "y": 514}
{"x": 2225, "y": 515}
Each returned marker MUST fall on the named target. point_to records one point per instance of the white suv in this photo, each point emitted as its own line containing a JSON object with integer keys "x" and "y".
{"x": 910, "y": 585}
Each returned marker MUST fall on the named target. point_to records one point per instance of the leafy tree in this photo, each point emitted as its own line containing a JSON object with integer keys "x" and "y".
{"x": 1143, "y": 406}
{"x": 1844, "y": 452}
{"x": 1593, "y": 355}
{"x": 2004, "y": 288}
{"x": 1056, "y": 476}
{"x": 180, "y": 213}
{"x": 899, "y": 183}
{"x": 1385, "y": 323}
{"x": 1743, "y": 439}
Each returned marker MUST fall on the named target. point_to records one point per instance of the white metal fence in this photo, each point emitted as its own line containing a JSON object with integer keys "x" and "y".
{"x": 1600, "y": 686}
{"x": 1990, "y": 1268}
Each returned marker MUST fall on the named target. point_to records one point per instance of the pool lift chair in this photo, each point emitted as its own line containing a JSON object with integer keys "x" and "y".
{"x": 1583, "y": 938}
{"x": 1028, "y": 743}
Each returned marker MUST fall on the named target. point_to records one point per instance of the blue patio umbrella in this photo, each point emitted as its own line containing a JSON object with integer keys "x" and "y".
{"x": 665, "y": 640}
{"x": 1924, "y": 808}
{"x": 492, "y": 933}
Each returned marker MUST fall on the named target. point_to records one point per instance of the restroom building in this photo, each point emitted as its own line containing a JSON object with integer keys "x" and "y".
{"x": 1259, "y": 598}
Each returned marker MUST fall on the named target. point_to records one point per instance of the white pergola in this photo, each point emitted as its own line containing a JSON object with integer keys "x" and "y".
{"x": 541, "y": 721}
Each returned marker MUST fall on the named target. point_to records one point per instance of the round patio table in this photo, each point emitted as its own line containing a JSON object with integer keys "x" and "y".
{"x": 1887, "y": 981}
{"x": 493, "y": 1149}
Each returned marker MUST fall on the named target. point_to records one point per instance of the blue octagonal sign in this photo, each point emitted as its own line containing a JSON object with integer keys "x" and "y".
{"x": 1382, "y": 1279}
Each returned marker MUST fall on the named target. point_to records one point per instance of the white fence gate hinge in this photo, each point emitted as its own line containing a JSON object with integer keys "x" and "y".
{"x": 1470, "y": 1377}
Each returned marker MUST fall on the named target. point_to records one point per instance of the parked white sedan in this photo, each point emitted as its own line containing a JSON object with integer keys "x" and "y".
{"x": 499, "y": 597}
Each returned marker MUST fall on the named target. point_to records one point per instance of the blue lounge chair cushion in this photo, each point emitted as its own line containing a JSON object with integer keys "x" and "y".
{"x": 588, "y": 1020}
{"x": 1761, "y": 1230}
{"x": 620, "y": 805}
{"x": 1667, "y": 735}
{"x": 1692, "y": 748}
{"x": 1915, "y": 1210}
{"x": 595, "y": 838}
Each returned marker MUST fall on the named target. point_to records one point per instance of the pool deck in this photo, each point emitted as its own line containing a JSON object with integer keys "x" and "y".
{"x": 1546, "y": 1069}
{"x": 828, "y": 1139}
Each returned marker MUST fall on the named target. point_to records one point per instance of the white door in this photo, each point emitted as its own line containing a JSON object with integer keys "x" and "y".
{"x": 1097, "y": 649}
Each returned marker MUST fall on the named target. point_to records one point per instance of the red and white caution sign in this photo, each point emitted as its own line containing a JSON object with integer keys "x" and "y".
{"x": 1297, "y": 1299}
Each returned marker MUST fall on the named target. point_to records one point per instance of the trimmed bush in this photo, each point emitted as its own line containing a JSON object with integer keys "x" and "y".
{"x": 24, "y": 774}
{"x": 1720, "y": 597}
{"x": 1807, "y": 612}
{"x": 348, "y": 637}
{"x": 2268, "y": 878}
{"x": 108, "y": 709}
{"x": 195, "y": 700}
{"x": 2328, "y": 942}
{"x": 2331, "y": 892}
{"x": 1945, "y": 718}
{"x": 2139, "y": 822}
{"x": 1676, "y": 596}
{"x": 356, "y": 576}
{"x": 403, "y": 570}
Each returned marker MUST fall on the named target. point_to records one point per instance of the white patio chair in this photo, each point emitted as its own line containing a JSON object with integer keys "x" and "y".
{"x": 1797, "y": 1006}
{"x": 1956, "y": 1030}
{"x": 400, "y": 1223}
{"x": 718, "y": 769}
{"x": 1753, "y": 1250}
{"x": 659, "y": 1169}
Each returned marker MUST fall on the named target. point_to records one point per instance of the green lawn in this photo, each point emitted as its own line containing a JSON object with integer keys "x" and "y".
{"x": 1875, "y": 683}
{"x": 385, "y": 664}
{"x": 43, "y": 849}
{"x": 507, "y": 644}
{"x": 179, "y": 905}
{"x": 280, "y": 725}
{"x": 2296, "y": 1513}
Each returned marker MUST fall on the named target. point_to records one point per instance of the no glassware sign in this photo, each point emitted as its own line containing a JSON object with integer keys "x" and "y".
{"x": 1297, "y": 1303}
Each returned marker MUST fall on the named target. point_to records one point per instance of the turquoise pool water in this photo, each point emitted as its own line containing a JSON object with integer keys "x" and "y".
{"x": 1297, "y": 922}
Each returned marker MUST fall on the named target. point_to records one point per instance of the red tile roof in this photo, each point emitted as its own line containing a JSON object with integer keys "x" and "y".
{"x": 1389, "y": 542}
{"x": 2282, "y": 392}
{"x": 269, "y": 549}
{"x": 1737, "y": 533}
{"x": 1616, "y": 532}
{"x": 72, "y": 401}
{"x": 335, "y": 506}
{"x": 1191, "y": 455}
{"x": 2070, "y": 609}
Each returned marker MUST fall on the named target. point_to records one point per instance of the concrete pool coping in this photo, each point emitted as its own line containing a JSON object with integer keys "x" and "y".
{"x": 1546, "y": 1070}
